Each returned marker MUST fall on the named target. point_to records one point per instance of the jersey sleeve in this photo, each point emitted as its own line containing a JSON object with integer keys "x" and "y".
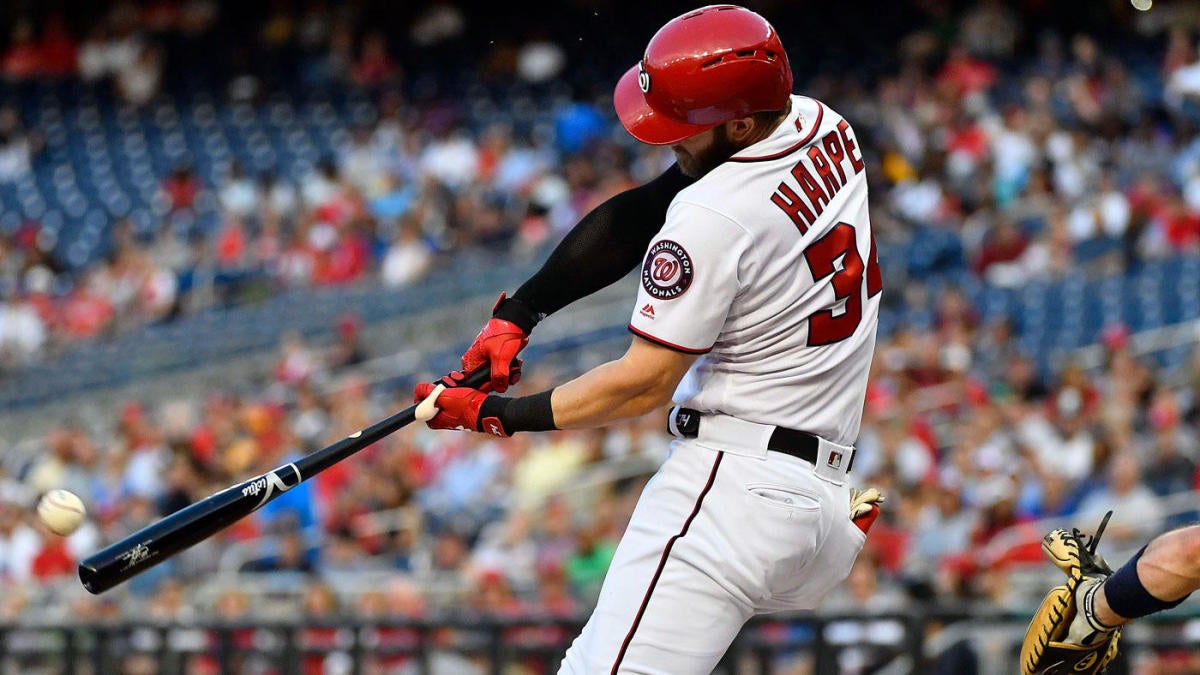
{"x": 689, "y": 278}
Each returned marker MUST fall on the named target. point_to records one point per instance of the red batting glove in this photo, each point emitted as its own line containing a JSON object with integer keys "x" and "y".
{"x": 458, "y": 408}
{"x": 497, "y": 345}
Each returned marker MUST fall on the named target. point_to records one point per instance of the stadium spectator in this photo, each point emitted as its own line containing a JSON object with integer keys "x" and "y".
{"x": 868, "y": 645}
{"x": 17, "y": 146}
{"x": 321, "y": 604}
{"x": 586, "y": 567}
{"x": 22, "y": 332}
{"x": 239, "y": 195}
{"x": 1183, "y": 72}
{"x": 408, "y": 258}
{"x": 139, "y": 82}
{"x": 19, "y": 542}
{"x": 1136, "y": 512}
{"x": 53, "y": 560}
{"x": 374, "y": 66}
{"x": 22, "y": 61}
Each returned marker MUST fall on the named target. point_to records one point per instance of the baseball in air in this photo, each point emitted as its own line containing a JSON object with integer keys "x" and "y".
{"x": 1142, "y": 5}
{"x": 61, "y": 511}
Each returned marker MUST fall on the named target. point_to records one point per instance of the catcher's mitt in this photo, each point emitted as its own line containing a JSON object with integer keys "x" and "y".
{"x": 1046, "y": 650}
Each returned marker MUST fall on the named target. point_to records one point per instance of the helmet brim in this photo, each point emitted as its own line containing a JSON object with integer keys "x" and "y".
{"x": 643, "y": 122}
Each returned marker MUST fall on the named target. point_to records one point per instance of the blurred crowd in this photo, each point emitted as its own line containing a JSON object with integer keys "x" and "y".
{"x": 1005, "y": 152}
{"x": 996, "y": 149}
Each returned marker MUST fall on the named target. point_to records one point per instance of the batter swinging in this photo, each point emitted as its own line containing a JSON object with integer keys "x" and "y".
{"x": 760, "y": 284}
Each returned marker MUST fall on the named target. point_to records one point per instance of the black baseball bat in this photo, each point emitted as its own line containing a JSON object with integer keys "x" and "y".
{"x": 190, "y": 525}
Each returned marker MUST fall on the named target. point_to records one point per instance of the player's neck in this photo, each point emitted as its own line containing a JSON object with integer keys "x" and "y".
{"x": 762, "y": 131}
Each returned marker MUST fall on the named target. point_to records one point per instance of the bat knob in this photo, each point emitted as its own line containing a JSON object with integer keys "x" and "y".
{"x": 427, "y": 409}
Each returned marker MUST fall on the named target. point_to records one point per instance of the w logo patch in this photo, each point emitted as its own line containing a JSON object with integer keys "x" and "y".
{"x": 667, "y": 271}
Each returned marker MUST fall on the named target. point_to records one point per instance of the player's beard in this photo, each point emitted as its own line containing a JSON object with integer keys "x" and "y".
{"x": 708, "y": 158}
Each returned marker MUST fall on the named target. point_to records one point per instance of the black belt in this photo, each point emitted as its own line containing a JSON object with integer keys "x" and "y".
{"x": 800, "y": 444}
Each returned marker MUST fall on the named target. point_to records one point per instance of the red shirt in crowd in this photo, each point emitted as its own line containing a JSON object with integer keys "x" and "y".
{"x": 181, "y": 190}
{"x": 22, "y": 61}
{"x": 231, "y": 244}
{"x": 59, "y": 53}
{"x": 54, "y": 560}
{"x": 970, "y": 140}
{"x": 998, "y": 250}
{"x": 346, "y": 261}
{"x": 965, "y": 74}
{"x": 85, "y": 315}
{"x": 1182, "y": 229}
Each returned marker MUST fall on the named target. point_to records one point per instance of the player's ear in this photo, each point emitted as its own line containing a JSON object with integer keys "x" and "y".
{"x": 741, "y": 128}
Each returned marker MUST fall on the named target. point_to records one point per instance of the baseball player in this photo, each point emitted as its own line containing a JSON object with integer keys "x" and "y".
{"x": 1077, "y": 627}
{"x": 756, "y": 315}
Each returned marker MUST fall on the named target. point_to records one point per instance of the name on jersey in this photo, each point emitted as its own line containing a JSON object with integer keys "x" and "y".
{"x": 820, "y": 174}
{"x": 667, "y": 272}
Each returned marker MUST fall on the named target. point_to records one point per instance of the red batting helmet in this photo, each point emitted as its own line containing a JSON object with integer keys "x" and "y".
{"x": 702, "y": 69}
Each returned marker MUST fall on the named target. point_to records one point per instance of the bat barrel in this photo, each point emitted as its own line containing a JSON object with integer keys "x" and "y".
{"x": 192, "y": 524}
{"x": 164, "y": 538}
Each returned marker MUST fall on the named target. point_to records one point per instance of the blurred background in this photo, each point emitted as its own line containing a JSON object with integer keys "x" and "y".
{"x": 231, "y": 233}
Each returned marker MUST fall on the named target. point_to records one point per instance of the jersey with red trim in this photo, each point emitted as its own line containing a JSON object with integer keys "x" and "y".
{"x": 767, "y": 266}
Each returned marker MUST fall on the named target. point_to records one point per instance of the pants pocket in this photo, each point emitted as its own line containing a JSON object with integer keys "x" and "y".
{"x": 784, "y": 497}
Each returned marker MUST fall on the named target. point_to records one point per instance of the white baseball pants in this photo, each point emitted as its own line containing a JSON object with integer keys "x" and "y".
{"x": 715, "y": 538}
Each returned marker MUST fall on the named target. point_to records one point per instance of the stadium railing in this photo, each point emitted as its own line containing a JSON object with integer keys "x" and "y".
{"x": 938, "y": 640}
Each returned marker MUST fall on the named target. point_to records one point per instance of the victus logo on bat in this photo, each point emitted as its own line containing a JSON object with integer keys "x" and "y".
{"x": 667, "y": 271}
{"x": 269, "y": 484}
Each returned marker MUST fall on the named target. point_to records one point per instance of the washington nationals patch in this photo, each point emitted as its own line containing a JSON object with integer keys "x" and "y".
{"x": 667, "y": 272}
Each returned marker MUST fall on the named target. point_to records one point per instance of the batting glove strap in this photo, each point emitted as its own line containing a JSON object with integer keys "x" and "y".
{"x": 524, "y": 413}
{"x": 517, "y": 312}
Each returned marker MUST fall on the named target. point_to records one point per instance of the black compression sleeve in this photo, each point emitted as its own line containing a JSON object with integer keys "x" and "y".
{"x": 603, "y": 247}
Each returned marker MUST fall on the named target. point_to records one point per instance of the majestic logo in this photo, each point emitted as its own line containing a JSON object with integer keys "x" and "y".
{"x": 648, "y": 311}
{"x": 667, "y": 272}
{"x": 643, "y": 78}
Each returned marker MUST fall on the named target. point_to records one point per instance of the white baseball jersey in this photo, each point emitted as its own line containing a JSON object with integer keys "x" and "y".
{"x": 767, "y": 266}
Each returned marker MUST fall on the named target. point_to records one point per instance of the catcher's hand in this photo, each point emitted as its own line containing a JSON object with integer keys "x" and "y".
{"x": 1047, "y": 649}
